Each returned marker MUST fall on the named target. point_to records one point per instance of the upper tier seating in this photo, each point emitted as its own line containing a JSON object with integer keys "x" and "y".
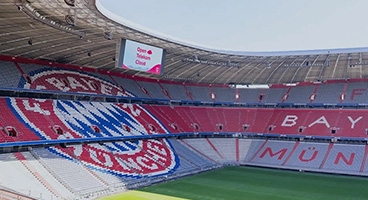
{"x": 224, "y": 94}
{"x": 154, "y": 89}
{"x": 250, "y": 95}
{"x": 200, "y": 93}
{"x": 300, "y": 94}
{"x": 9, "y": 75}
{"x": 356, "y": 93}
{"x": 274, "y": 95}
{"x": 176, "y": 91}
{"x": 131, "y": 86}
{"x": 31, "y": 68}
{"x": 329, "y": 92}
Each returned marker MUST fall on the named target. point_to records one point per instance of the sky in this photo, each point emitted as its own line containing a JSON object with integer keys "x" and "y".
{"x": 252, "y": 25}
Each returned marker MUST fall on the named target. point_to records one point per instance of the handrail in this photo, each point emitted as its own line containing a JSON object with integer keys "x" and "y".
{"x": 23, "y": 146}
{"x": 44, "y": 94}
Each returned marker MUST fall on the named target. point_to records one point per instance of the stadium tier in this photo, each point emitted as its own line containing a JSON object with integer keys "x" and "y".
{"x": 322, "y": 157}
{"x": 58, "y": 118}
{"x": 38, "y": 75}
{"x": 98, "y": 169}
{"x": 93, "y": 105}
{"x": 90, "y": 174}
{"x": 311, "y": 122}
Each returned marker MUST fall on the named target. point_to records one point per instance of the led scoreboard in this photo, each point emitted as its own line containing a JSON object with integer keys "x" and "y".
{"x": 141, "y": 57}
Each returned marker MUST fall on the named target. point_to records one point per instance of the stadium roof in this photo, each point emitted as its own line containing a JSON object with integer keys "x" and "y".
{"x": 80, "y": 35}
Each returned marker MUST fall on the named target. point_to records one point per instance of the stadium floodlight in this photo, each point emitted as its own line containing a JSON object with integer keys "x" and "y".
{"x": 70, "y": 19}
{"x": 70, "y": 2}
{"x": 178, "y": 78}
{"x": 268, "y": 65}
{"x": 327, "y": 62}
{"x": 108, "y": 35}
{"x": 32, "y": 13}
{"x": 30, "y": 42}
{"x": 196, "y": 59}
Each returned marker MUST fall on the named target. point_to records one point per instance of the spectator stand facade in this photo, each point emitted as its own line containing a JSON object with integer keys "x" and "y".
{"x": 211, "y": 113}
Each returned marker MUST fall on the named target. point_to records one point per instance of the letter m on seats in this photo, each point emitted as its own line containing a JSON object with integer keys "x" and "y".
{"x": 268, "y": 150}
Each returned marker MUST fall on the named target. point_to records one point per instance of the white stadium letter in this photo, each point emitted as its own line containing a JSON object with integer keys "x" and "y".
{"x": 321, "y": 120}
{"x": 105, "y": 89}
{"x": 58, "y": 84}
{"x": 289, "y": 121}
{"x": 89, "y": 83}
{"x": 353, "y": 122}
{"x": 74, "y": 83}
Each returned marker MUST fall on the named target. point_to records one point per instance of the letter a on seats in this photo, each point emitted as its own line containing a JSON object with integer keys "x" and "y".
{"x": 321, "y": 120}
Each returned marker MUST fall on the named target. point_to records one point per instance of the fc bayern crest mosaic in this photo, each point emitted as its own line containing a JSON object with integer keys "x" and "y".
{"x": 61, "y": 119}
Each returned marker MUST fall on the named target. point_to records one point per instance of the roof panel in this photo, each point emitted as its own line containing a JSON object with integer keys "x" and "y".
{"x": 60, "y": 45}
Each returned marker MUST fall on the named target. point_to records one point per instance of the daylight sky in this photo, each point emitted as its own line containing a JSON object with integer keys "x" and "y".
{"x": 253, "y": 25}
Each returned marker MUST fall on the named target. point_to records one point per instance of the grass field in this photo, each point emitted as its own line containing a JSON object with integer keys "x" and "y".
{"x": 254, "y": 183}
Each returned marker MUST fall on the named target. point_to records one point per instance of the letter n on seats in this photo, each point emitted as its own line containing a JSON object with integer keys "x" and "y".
{"x": 348, "y": 162}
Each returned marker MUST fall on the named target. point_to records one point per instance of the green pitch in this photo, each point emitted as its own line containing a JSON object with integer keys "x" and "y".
{"x": 246, "y": 183}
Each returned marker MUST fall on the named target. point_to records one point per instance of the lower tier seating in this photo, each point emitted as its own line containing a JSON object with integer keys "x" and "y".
{"x": 68, "y": 173}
